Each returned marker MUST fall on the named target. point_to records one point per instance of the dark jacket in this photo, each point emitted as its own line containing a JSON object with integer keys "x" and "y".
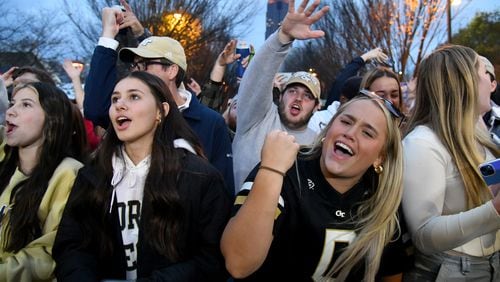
{"x": 349, "y": 70}
{"x": 208, "y": 125}
{"x": 206, "y": 207}
{"x": 212, "y": 95}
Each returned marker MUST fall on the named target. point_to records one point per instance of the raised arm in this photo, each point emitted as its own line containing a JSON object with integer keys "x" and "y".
{"x": 256, "y": 86}
{"x": 297, "y": 23}
{"x": 102, "y": 75}
{"x": 211, "y": 93}
{"x": 131, "y": 21}
{"x": 7, "y": 76}
{"x": 248, "y": 235}
{"x": 352, "y": 69}
{"x": 74, "y": 74}
{"x": 226, "y": 57}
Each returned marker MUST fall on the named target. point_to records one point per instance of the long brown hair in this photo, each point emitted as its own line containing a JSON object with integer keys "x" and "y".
{"x": 24, "y": 225}
{"x": 162, "y": 212}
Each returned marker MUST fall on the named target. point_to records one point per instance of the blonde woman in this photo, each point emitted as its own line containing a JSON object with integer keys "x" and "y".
{"x": 451, "y": 213}
{"x": 332, "y": 213}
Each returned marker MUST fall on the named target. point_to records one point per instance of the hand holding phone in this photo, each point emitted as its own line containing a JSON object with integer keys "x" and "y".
{"x": 243, "y": 49}
{"x": 490, "y": 171}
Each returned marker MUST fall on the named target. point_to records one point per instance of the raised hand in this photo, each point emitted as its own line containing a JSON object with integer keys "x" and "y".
{"x": 72, "y": 71}
{"x": 297, "y": 24}
{"x": 7, "y": 76}
{"x": 228, "y": 55}
{"x": 375, "y": 54}
{"x": 111, "y": 19}
{"x": 279, "y": 150}
{"x": 195, "y": 86}
{"x": 280, "y": 80}
{"x": 130, "y": 20}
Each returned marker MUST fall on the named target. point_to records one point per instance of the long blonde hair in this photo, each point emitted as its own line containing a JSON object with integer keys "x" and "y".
{"x": 377, "y": 216}
{"x": 447, "y": 101}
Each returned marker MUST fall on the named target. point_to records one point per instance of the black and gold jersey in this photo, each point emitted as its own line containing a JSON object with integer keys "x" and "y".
{"x": 313, "y": 224}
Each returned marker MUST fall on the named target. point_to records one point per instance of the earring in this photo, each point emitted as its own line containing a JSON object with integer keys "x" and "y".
{"x": 322, "y": 139}
{"x": 378, "y": 169}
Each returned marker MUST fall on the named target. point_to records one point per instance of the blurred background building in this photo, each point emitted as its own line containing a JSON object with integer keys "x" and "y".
{"x": 276, "y": 11}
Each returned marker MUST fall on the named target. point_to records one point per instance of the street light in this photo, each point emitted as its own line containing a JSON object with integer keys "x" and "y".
{"x": 181, "y": 25}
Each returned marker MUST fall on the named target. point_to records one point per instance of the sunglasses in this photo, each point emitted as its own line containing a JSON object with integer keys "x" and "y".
{"x": 143, "y": 65}
{"x": 395, "y": 112}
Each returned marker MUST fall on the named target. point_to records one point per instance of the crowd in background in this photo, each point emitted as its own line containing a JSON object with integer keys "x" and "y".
{"x": 153, "y": 176}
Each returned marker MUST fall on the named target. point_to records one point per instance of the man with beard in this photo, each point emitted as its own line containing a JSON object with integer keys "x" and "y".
{"x": 257, "y": 115}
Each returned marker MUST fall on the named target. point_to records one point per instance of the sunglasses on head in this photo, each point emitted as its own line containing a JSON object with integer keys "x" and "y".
{"x": 395, "y": 112}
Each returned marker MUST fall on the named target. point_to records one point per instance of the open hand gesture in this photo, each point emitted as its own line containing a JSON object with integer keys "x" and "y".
{"x": 72, "y": 71}
{"x": 7, "y": 76}
{"x": 228, "y": 55}
{"x": 297, "y": 24}
{"x": 130, "y": 20}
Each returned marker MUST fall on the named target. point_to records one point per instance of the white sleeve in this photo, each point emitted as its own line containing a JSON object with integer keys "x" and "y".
{"x": 423, "y": 200}
{"x": 320, "y": 119}
{"x": 108, "y": 43}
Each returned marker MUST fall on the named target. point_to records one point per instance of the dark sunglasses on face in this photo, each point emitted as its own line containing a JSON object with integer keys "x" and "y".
{"x": 395, "y": 112}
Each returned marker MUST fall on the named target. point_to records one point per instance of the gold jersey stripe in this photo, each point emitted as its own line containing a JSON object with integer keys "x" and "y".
{"x": 241, "y": 199}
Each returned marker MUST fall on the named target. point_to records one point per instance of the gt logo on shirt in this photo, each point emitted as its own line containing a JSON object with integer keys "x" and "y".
{"x": 340, "y": 213}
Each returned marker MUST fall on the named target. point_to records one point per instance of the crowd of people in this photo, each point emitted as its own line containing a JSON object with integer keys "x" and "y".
{"x": 152, "y": 177}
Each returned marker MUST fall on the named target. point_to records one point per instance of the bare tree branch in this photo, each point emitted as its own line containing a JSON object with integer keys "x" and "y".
{"x": 38, "y": 33}
{"x": 405, "y": 29}
{"x": 202, "y": 26}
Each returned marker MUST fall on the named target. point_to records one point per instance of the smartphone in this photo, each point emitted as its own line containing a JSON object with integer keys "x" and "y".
{"x": 491, "y": 171}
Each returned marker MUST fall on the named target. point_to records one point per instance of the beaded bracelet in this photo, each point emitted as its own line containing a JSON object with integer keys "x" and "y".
{"x": 272, "y": 169}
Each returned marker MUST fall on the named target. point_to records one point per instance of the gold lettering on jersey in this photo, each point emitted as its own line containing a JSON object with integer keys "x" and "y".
{"x": 332, "y": 236}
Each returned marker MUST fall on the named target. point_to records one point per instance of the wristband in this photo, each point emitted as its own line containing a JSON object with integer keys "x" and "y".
{"x": 272, "y": 169}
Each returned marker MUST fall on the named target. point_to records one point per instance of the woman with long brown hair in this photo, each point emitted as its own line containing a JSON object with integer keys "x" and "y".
{"x": 149, "y": 206}
{"x": 38, "y": 166}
